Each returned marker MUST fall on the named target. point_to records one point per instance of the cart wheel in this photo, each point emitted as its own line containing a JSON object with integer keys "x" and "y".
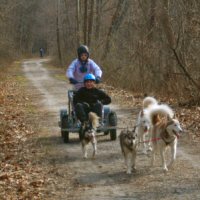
{"x": 106, "y": 132}
{"x": 62, "y": 134}
{"x": 112, "y": 118}
{"x": 113, "y": 134}
{"x": 113, "y": 122}
{"x": 65, "y": 136}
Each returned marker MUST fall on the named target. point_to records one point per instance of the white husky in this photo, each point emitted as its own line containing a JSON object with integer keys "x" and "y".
{"x": 143, "y": 124}
{"x": 165, "y": 133}
{"x": 89, "y": 132}
{"x": 128, "y": 143}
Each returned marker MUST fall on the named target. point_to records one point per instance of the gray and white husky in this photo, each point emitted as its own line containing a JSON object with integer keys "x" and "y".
{"x": 165, "y": 133}
{"x": 89, "y": 134}
{"x": 128, "y": 143}
{"x": 143, "y": 126}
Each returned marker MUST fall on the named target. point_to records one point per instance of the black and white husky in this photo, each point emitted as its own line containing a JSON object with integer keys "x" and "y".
{"x": 128, "y": 143}
{"x": 143, "y": 126}
{"x": 89, "y": 134}
{"x": 165, "y": 133}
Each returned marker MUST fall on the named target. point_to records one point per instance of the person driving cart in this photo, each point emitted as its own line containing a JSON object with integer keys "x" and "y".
{"x": 81, "y": 66}
{"x": 89, "y": 98}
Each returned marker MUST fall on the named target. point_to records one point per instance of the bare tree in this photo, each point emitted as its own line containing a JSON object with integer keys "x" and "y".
{"x": 78, "y": 22}
{"x": 119, "y": 15}
{"x": 58, "y": 32}
{"x": 98, "y": 18}
{"x": 153, "y": 46}
{"x": 152, "y": 19}
{"x": 90, "y": 22}
{"x": 164, "y": 18}
{"x": 85, "y": 27}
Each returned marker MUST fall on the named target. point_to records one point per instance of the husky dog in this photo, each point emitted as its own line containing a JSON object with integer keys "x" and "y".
{"x": 144, "y": 125}
{"x": 89, "y": 131}
{"x": 128, "y": 143}
{"x": 165, "y": 133}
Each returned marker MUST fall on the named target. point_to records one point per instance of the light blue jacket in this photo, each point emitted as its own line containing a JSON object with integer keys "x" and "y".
{"x": 73, "y": 71}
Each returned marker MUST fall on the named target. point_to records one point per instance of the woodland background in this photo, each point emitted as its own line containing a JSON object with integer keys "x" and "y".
{"x": 145, "y": 46}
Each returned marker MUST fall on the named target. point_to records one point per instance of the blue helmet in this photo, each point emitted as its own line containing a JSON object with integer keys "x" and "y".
{"x": 88, "y": 77}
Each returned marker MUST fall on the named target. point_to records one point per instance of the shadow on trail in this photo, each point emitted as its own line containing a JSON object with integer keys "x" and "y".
{"x": 109, "y": 178}
{"x": 105, "y": 178}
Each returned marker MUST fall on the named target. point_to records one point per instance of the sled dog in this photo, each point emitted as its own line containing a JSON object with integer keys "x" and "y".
{"x": 165, "y": 133}
{"x": 128, "y": 143}
{"x": 89, "y": 132}
{"x": 144, "y": 125}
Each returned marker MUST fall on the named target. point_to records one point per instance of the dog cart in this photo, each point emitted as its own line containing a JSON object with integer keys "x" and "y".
{"x": 70, "y": 124}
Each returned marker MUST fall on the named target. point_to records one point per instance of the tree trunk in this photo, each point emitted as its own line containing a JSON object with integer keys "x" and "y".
{"x": 117, "y": 19}
{"x": 85, "y": 26}
{"x": 90, "y": 22}
{"x": 98, "y": 18}
{"x": 58, "y": 33}
{"x": 152, "y": 20}
{"x": 78, "y": 21}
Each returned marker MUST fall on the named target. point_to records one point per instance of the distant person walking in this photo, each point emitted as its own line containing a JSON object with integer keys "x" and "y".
{"x": 41, "y": 52}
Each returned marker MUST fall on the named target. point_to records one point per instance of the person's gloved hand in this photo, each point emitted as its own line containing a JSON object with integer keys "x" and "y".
{"x": 73, "y": 81}
{"x": 98, "y": 80}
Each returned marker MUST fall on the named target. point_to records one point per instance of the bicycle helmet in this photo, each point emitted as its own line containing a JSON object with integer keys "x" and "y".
{"x": 82, "y": 49}
{"x": 88, "y": 77}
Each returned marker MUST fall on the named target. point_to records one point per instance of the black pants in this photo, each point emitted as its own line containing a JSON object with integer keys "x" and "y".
{"x": 82, "y": 110}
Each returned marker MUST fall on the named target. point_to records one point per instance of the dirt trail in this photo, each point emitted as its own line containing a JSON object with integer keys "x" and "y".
{"x": 72, "y": 177}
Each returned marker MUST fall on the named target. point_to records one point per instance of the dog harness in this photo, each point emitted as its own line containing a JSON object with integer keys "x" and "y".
{"x": 165, "y": 136}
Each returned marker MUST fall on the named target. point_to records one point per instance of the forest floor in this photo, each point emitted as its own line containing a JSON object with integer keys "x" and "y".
{"x": 37, "y": 164}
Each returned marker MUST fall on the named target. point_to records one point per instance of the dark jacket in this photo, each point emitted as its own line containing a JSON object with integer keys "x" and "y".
{"x": 91, "y": 96}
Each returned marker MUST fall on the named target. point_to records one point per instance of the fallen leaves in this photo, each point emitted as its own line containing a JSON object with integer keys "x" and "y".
{"x": 19, "y": 177}
{"x": 4, "y": 176}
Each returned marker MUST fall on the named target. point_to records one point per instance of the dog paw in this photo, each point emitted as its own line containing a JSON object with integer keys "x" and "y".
{"x": 165, "y": 169}
{"x": 144, "y": 152}
{"x": 150, "y": 149}
{"x": 134, "y": 169}
{"x": 170, "y": 166}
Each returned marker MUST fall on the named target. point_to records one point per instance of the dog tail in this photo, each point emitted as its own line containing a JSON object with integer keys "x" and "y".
{"x": 149, "y": 101}
{"x": 158, "y": 111}
{"x": 94, "y": 119}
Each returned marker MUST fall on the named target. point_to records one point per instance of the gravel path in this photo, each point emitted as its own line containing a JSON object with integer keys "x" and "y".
{"x": 72, "y": 177}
